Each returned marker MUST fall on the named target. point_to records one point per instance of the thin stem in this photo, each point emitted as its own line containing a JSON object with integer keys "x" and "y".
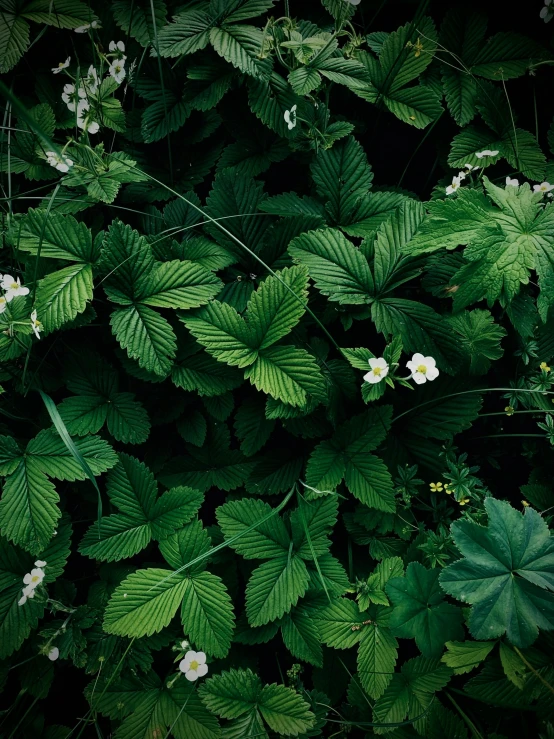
{"x": 535, "y": 672}
{"x": 465, "y": 717}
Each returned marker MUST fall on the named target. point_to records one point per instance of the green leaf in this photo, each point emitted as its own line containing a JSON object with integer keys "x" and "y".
{"x": 62, "y": 295}
{"x": 338, "y": 269}
{"x": 59, "y": 13}
{"x": 266, "y": 541}
{"x": 146, "y": 336}
{"x": 28, "y": 508}
{"x": 128, "y": 261}
{"x": 376, "y": 659}
{"x": 506, "y": 54}
{"x": 251, "y": 426}
{"x": 288, "y": 374}
{"x": 207, "y": 614}
{"x": 224, "y": 333}
{"x": 240, "y": 46}
{"x": 274, "y": 587}
{"x": 301, "y": 638}
{"x": 137, "y": 18}
{"x": 178, "y": 284}
{"x": 144, "y": 603}
{"x": 339, "y": 623}
{"x": 464, "y": 656}
{"x": 14, "y": 35}
{"x": 48, "y": 453}
{"x": 235, "y": 693}
{"x": 202, "y": 374}
{"x": 277, "y": 305}
{"x": 479, "y": 338}
{"x": 420, "y": 611}
{"x": 342, "y": 176}
{"x": 57, "y": 236}
{"x": 189, "y": 32}
{"x": 506, "y": 573}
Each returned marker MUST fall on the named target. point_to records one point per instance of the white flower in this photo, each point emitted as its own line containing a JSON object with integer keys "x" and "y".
{"x": 379, "y": 370}
{"x": 87, "y": 27}
{"x": 117, "y": 46}
{"x": 62, "y": 163}
{"x": 512, "y": 181}
{"x": 185, "y": 644}
{"x": 547, "y": 13}
{"x": 422, "y": 369}
{"x": 62, "y": 65}
{"x": 486, "y": 153}
{"x": 3, "y": 303}
{"x": 40, "y": 563}
{"x": 543, "y": 187}
{"x": 90, "y": 82}
{"x": 13, "y": 287}
{"x": 471, "y": 167}
{"x": 83, "y": 120}
{"x": 290, "y": 117}
{"x": 28, "y": 592}
{"x": 194, "y": 665}
{"x": 69, "y": 95}
{"x": 456, "y": 181}
{"x": 34, "y": 578}
{"x": 461, "y": 176}
{"x": 117, "y": 70}
{"x": 36, "y": 324}
{"x": 53, "y": 654}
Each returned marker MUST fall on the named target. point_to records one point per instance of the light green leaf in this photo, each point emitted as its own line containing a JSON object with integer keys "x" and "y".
{"x": 266, "y": 541}
{"x": 207, "y": 614}
{"x": 146, "y": 336}
{"x": 274, "y": 587}
{"x": 62, "y": 295}
{"x": 463, "y": 656}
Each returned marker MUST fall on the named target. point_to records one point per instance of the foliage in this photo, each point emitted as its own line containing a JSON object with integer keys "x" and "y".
{"x": 275, "y": 398}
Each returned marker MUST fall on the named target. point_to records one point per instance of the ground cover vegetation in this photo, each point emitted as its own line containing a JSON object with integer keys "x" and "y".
{"x": 276, "y": 408}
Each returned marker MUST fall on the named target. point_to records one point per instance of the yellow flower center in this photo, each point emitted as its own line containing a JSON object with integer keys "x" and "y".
{"x": 35, "y": 578}
{"x": 422, "y": 368}
{"x": 194, "y": 665}
{"x": 377, "y": 371}
{"x": 14, "y": 286}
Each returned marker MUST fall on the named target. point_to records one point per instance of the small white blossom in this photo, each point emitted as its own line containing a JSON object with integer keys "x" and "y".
{"x": 117, "y": 46}
{"x": 40, "y": 563}
{"x": 62, "y": 65}
{"x": 547, "y": 13}
{"x": 462, "y": 175}
{"x": 194, "y": 665}
{"x": 28, "y": 592}
{"x": 486, "y": 153}
{"x": 379, "y": 370}
{"x": 70, "y": 95}
{"x": 36, "y": 324}
{"x": 290, "y": 117}
{"x": 422, "y": 368}
{"x": 543, "y": 187}
{"x": 87, "y": 27}
{"x": 117, "y": 70}
{"x": 3, "y": 303}
{"x": 90, "y": 82}
{"x": 62, "y": 163}
{"x": 53, "y": 654}
{"x": 83, "y": 120}
{"x": 185, "y": 644}
{"x": 471, "y": 167}
{"x": 34, "y": 578}
{"x": 512, "y": 181}
{"x": 13, "y": 287}
{"x": 456, "y": 182}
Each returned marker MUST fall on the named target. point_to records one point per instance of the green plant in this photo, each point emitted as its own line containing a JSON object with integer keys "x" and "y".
{"x": 275, "y": 431}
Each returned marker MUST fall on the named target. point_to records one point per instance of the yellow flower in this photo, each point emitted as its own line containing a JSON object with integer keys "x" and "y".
{"x": 448, "y": 489}
{"x": 463, "y": 501}
{"x": 545, "y": 367}
{"x": 525, "y": 504}
{"x": 509, "y": 410}
{"x": 436, "y": 487}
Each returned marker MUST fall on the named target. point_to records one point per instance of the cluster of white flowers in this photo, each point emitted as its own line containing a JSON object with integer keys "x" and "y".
{"x": 457, "y": 180}
{"x": 193, "y": 665}
{"x": 290, "y": 117}
{"x": 547, "y": 13}
{"x": 77, "y": 97}
{"x": 422, "y": 369}
{"x": 87, "y": 27}
{"x": 543, "y": 187}
{"x": 31, "y": 581}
